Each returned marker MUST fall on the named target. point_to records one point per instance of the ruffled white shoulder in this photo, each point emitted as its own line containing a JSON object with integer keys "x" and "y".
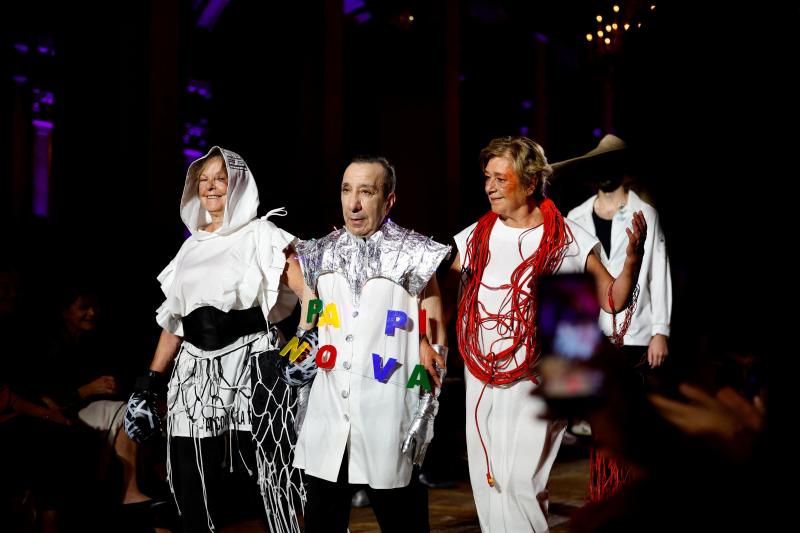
{"x": 166, "y": 315}
{"x": 235, "y": 271}
{"x": 274, "y": 244}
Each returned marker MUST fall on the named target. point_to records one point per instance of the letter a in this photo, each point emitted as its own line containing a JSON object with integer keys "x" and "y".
{"x": 330, "y": 316}
{"x": 419, "y": 377}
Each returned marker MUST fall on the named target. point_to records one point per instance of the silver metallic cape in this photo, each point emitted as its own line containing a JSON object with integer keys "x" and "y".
{"x": 395, "y": 253}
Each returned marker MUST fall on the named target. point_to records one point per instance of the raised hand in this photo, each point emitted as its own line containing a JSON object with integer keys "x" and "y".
{"x": 637, "y": 234}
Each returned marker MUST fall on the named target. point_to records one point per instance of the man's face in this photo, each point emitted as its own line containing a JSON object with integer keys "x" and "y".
{"x": 363, "y": 204}
{"x": 609, "y": 182}
{"x": 503, "y": 188}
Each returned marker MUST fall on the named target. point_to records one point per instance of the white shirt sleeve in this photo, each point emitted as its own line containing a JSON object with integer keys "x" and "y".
{"x": 660, "y": 282}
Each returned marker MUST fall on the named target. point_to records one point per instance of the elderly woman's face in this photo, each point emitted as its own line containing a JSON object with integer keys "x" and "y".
{"x": 213, "y": 186}
{"x": 506, "y": 193}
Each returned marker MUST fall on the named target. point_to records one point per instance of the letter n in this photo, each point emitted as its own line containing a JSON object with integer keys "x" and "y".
{"x": 292, "y": 346}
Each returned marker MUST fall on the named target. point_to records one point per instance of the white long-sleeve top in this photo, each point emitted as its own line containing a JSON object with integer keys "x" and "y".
{"x": 234, "y": 268}
{"x": 654, "y": 308}
{"x": 508, "y": 247}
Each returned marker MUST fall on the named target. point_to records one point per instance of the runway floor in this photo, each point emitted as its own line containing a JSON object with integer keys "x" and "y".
{"x": 452, "y": 510}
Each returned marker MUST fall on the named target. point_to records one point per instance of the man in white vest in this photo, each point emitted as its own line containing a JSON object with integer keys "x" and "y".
{"x": 377, "y": 306}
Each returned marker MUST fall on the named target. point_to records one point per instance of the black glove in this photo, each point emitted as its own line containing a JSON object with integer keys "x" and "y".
{"x": 295, "y": 374}
{"x": 141, "y": 416}
{"x": 303, "y": 372}
{"x": 271, "y": 373}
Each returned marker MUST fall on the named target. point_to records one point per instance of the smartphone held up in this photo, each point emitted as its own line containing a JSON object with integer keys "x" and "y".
{"x": 570, "y": 336}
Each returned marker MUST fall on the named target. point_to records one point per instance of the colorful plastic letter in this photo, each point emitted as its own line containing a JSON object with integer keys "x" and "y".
{"x": 419, "y": 376}
{"x": 314, "y": 307}
{"x": 395, "y": 319}
{"x": 327, "y": 350}
{"x": 383, "y": 373}
{"x": 292, "y": 346}
{"x": 330, "y": 316}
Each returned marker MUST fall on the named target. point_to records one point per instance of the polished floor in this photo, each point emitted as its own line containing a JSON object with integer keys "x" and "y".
{"x": 452, "y": 510}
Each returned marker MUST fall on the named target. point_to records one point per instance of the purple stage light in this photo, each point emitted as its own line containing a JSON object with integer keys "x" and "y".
{"x": 22, "y": 48}
{"x": 42, "y": 100}
{"x": 41, "y": 166}
{"x": 352, "y": 5}
{"x": 202, "y": 88}
{"x": 208, "y": 18}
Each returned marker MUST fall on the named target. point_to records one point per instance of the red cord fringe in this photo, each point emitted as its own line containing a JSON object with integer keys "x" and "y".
{"x": 606, "y": 476}
{"x": 519, "y": 322}
{"x": 618, "y": 336}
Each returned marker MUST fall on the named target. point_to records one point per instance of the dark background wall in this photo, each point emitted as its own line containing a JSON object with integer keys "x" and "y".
{"x": 701, "y": 92}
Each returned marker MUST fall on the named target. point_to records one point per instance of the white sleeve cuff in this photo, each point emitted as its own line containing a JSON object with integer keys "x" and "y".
{"x": 660, "y": 329}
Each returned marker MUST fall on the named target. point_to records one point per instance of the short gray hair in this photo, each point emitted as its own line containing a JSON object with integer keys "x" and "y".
{"x": 389, "y": 176}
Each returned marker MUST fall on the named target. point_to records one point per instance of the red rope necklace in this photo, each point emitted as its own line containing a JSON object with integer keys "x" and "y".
{"x": 519, "y": 322}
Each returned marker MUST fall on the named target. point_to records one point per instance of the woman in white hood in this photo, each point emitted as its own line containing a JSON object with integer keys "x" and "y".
{"x": 228, "y": 283}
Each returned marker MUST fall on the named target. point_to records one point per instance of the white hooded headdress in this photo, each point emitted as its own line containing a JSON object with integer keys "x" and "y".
{"x": 242, "y": 197}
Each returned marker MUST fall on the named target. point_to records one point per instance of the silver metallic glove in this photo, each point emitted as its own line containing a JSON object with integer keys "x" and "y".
{"x": 441, "y": 350}
{"x": 420, "y": 433}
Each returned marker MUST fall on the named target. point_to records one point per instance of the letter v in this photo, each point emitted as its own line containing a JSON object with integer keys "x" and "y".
{"x": 383, "y": 373}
